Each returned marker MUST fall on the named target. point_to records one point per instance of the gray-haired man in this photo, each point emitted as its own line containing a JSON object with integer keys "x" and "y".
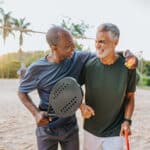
{"x": 110, "y": 88}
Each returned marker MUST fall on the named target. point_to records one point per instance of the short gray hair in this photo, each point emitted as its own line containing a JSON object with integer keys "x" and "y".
{"x": 53, "y": 35}
{"x": 109, "y": 27}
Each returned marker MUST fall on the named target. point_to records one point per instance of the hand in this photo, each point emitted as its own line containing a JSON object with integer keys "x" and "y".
{"x": 131, "y": 60}
{"x": 86, "y": 111}
{"x": 41, "y": 118}
{"x": 125, "y": 127}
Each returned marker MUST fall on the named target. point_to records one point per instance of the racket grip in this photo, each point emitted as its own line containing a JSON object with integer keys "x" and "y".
{"x": 50, "y": 115}
{"x": 127, "y": 140}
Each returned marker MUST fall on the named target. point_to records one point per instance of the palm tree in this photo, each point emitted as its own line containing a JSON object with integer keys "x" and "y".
{"x": 6, "y": 23}
{"x": 22, "y": 26}
{"x": 1, "y": 10}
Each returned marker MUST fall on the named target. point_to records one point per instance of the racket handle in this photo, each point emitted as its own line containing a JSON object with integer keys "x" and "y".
{"x": 127, "y": 140}
{"x": 51, "y": 115}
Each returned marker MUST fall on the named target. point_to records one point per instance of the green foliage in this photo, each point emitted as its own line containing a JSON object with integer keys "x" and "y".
{"x": 12, "y": 68}
{"x": 76, "y": 29}
{"x": 30, "y": 57}
{"x": 147, "y": 68}
{"x": 144, "y": 72}
{"x": 146, "y": 81}
{"x": 10, "y": 63}
{"x": 137, "y": 77}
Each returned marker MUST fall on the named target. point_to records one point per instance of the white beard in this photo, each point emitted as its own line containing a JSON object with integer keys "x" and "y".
{"x": 103, "y": 54}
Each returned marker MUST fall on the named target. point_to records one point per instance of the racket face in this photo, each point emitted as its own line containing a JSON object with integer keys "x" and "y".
{"x": 66, "y": 97}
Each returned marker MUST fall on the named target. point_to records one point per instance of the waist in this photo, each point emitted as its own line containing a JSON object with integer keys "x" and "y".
{"x": 60, "y": 122}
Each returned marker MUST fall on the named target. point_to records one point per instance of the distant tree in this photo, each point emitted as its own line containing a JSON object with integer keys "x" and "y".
{"x": 11, "y": 63}
{"x": 22, "y": 25}
{"x": 1, "y": 10}
{"x": 77, "y": 29}
{"x": 6, "y": 23}
{"x": 147, "y": 68}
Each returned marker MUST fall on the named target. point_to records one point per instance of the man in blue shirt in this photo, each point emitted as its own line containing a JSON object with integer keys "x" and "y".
{"x": 41, "y": 76}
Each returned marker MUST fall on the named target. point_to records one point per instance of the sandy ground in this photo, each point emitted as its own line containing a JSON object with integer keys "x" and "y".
{"x": 17, "y": 125}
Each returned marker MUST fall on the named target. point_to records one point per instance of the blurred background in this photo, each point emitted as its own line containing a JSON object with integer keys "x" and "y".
{"x": 23, "y": 25}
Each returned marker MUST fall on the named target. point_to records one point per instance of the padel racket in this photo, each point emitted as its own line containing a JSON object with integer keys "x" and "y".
{"x": 127, "y": 140}
{"x": 65, "y": 98}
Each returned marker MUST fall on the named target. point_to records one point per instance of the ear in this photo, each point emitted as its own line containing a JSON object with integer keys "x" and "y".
{"x": 54, "y": 48}
{"x": 116, "y": 41}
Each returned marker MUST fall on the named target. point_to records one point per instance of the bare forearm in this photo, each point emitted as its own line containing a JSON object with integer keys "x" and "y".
{"x": 129, "y": 106}
{"x": 26, "y": 100}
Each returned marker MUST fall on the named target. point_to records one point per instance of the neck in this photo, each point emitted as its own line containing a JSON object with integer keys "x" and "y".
{"x": 52, "y": 57}
{"x": 110, "y": 59}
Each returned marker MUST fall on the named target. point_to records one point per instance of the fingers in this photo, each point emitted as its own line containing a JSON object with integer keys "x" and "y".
{"x": 121, "y": 132}
{"x": 86, "y": 111}
{"x": 86, "y": 115}
{"x": 90, "y": 109}
{"x": 131, "y": 62}
{"x": 47, "y": 116}
{"x": 125, "y": 128}
{"x": 42, "y": 122}
{"x": 42, "y": 119}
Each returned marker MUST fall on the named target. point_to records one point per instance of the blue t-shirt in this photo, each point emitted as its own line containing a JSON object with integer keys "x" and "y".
{"x": 42, "y": 76}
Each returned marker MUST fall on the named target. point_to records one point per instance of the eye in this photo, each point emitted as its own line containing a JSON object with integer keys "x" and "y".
{"x": 102, "y": 42}
{"x": 67, "y": 47}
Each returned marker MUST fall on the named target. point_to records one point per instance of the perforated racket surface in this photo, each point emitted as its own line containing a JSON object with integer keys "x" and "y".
{"x": 65, "y": 97}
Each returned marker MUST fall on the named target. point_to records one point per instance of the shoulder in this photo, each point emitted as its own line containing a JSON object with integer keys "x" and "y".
{"x": 91, "y": 62}
{"x": 121, "y": 60}
{"x": 122, "y": 63}
{"x": 130, "y": 72}
{"x": 83, "y": 54}
{"x": 35, "y": 66}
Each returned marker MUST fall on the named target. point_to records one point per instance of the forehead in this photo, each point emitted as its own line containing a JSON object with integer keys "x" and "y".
{"x": 103, "y": 36}
{"x": 65, "y": 37}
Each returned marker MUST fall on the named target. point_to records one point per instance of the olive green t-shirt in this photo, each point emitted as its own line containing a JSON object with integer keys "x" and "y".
{"x": 106, "y": 87}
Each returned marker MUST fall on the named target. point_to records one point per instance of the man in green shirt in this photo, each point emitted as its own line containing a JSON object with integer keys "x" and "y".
{"x": 110, "y": 88}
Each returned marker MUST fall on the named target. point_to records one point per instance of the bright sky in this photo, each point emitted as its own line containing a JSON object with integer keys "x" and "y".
{"x": 131, "y": 16}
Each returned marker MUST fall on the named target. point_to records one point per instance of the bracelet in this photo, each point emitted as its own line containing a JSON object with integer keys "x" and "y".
{"x": 128, "y": 120}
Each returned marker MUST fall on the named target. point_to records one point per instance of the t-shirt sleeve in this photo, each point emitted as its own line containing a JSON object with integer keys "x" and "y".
{"x": 131, "y": 81}
{"x": 82, "y": 76}
{"x": 85, "y": 57}
{"x": 30, "y": 81}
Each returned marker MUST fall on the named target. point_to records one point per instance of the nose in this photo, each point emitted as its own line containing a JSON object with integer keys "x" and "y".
{"x": 98, "y": 45}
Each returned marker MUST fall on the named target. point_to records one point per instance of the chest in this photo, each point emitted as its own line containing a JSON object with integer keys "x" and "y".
{"x": 107, "y": 80}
